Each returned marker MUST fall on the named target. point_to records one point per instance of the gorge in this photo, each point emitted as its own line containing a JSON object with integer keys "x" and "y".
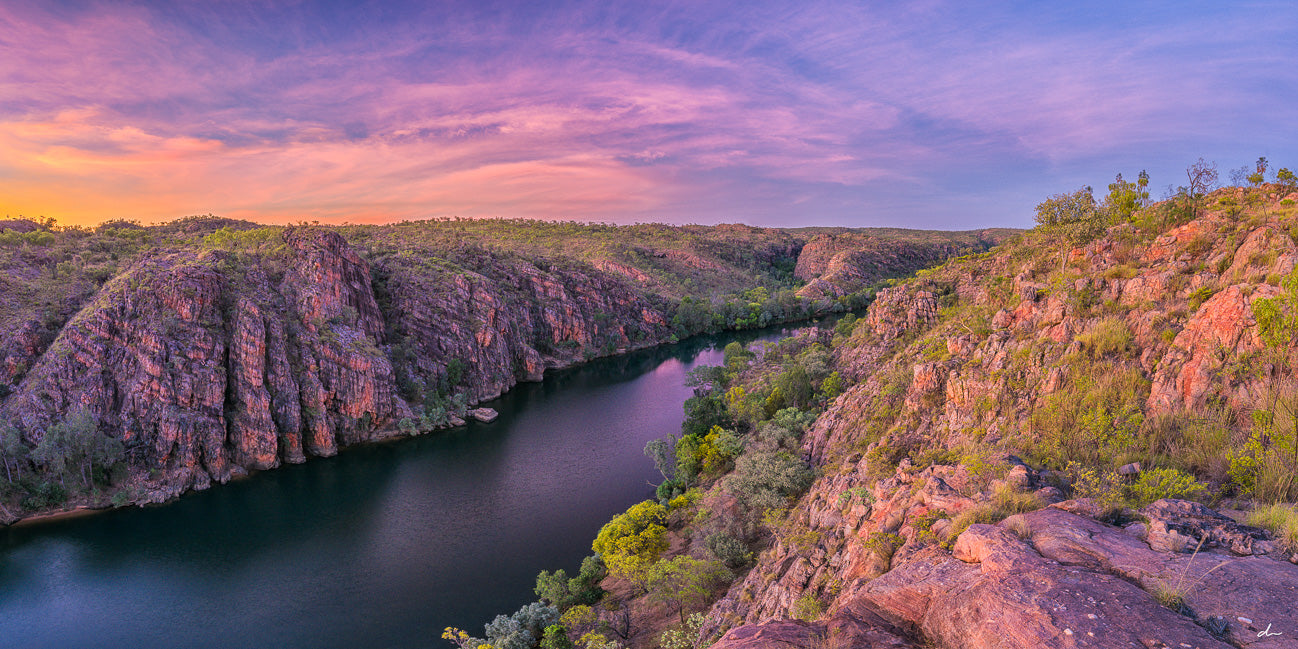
{"x": 382, "y": 545}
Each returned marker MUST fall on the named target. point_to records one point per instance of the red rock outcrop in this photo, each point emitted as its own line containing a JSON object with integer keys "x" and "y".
{"x": 1170, "y": 323}
{"x": 206, "y": 367}
{"x": 840, "y": 264}
{"x": 1223, "y": 328}
{"x": 511, "y": 322}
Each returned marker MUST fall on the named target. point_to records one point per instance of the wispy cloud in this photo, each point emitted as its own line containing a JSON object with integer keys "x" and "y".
{"x": 828, "y": 111}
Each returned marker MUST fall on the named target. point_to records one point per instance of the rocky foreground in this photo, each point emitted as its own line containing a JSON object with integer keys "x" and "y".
{"x": 1054, "y": 577}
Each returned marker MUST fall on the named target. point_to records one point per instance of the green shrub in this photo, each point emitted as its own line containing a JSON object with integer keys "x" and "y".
{"x": 687, "y": 499}
{"x": 1095, "y": 419}
{"x": 1157, "y": 484}
{"x": 1200, "y": 295}
{"x": 884, "y": 544}
{"x": 686, "y": 636}
{"x": 808, "y": 608}
{"x": 634, "y": 540}
{"x": 1103, "y": 487}
{"x": 44, "y": 495}
{"x": 924, "y": 525}
{"x": 729, "y": 550}
{"x": 556, "y": 637}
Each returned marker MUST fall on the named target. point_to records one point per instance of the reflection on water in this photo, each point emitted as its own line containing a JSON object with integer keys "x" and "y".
{"x": 381, "y": 546}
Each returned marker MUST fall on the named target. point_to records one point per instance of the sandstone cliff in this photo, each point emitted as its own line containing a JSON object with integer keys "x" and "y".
{"x": 1066, "y": 441}
{"x": 834, "y": 264}
{"x": 214, "y": 347}
{"x": 1147, "y": 346}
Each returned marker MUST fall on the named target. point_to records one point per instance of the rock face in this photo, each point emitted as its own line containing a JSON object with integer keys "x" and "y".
{"x": 838, "y": 264}
{"x": 212, "y": 365}
{"x": 194, "y": 365}
{"x": 843, "y": 631}
{"x": 1044, "y": 578}
{"x": 484, "y": 415}
{"x": 511, "y": 322}
{"x": 819, "y": 255}
{"x": 208, "y": 358}
{"x": 968, "y": 357}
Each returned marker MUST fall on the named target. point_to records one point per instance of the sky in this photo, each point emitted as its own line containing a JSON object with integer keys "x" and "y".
{"x": 925, "y": 114}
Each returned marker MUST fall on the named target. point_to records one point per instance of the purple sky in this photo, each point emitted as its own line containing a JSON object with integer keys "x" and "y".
{"x": 923, "y": 114}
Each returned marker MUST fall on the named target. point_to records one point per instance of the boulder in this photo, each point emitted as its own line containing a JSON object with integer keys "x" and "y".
{"x": 484, "y": 415}
{"x": 1011, "y": 596}
{"x": 846, "y": 629}
{"x": 1180, "y": 525}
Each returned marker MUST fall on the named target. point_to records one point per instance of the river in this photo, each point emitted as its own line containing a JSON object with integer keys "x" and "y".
{"x": 383, "y": 545}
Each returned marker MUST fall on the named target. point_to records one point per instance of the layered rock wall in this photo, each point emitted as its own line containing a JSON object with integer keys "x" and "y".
{"x": 208, "y": 365}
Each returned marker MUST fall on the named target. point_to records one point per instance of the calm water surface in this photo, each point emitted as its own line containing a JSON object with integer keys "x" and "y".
{"x": 381, "y": 546}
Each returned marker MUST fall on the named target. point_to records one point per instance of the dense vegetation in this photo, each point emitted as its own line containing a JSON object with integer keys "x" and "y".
{"x": 739, "y": 464}
{"x": 729, "y": 479}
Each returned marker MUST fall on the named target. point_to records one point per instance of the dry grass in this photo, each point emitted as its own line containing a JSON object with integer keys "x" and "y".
{"x": 1281, "y": 520}
{"x": 1005, "y": 502}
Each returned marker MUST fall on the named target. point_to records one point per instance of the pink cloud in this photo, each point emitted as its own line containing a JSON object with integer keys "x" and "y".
{"x": 115, "y": 111}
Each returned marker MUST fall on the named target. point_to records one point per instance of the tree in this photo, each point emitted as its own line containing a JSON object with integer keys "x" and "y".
{"x": 1239, "y": 176}
{"x": 719, "y": 448}
{"x": 706, "y": 378}
{"x": 663, "y": 453}
{"x": 52, "y": 452}
{"x": 1066, "y": 209}
{"x": 522, "y": 630}
{"x": 768, "y": 479}
{"x": 579, "y": 619}
{"x": 564, "y": 593}
{"x": 832, "y": 386}
{"x": 1286, "y": 178}
{"x": 795, "y": 385}
{"x": 736, "y": 356}
{"x": 1071, "y": 218}
{"x": 1124, "y": 199}
{"x": 13, "y": 450}
{"x": 693, "y": 316}
{"x": 1259, "y": 175}
{"x": 683, "y": 582}
{"x": 1203, "y": 179}
{"x": 704, "y": 412}
{"x": 552, "y": 587}
{"x": 461, "y": 638}
{"x": 633, "y": 540}
{"x": 83, "y": 445}
{"x": 75, "y": 445}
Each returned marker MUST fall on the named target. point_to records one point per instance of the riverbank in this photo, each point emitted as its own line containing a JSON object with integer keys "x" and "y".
{"x": 145, "y": 493}
{"x": 381, "y": 545}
